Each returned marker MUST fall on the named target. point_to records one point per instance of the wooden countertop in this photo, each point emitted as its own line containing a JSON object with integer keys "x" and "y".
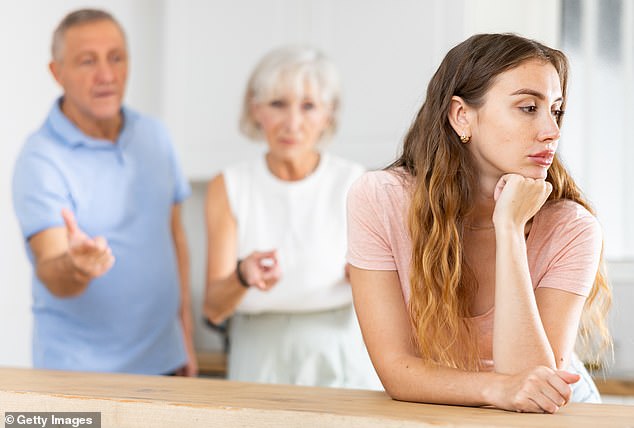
{"x": 214, "y": 363}
{"x": 157, "y": 401}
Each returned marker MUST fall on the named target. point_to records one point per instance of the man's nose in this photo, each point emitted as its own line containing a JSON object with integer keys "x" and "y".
{"x": 105, "y": 72}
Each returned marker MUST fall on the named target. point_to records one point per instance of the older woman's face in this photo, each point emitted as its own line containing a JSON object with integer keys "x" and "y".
{"x": 293, "y": 123}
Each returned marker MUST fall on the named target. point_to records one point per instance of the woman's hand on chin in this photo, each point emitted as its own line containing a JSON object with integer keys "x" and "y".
{"x": 517, "y": 200}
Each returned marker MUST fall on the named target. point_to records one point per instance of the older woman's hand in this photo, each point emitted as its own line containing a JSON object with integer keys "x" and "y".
{"x": 261, "y": 269}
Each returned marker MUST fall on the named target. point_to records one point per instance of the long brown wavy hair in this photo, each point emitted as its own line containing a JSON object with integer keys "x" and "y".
{"x": 444, "y": 185}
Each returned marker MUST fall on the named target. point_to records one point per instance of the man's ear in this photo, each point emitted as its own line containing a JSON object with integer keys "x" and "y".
{"x": 53, "y": 66}
{"x": 458, "y": 116}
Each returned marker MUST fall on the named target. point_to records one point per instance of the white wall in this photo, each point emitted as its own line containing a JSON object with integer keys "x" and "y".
{"x": 538, "y": 19}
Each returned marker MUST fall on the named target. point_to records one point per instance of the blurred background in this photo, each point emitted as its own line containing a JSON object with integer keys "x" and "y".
{"x": 190, "y": 60}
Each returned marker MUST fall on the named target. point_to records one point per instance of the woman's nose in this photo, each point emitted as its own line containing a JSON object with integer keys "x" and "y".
{"x": 549, "y": 129}
{"x": 293, "y": 118}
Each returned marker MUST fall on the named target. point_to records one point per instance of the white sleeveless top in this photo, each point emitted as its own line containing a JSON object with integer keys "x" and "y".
{"x": 305, "y": 221}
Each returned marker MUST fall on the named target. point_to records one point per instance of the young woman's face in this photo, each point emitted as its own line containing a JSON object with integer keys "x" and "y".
{"x": 515, "y": 130}
{"x": 293, "y": 124}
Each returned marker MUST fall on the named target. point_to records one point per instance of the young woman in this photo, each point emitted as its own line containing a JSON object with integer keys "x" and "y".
{"x": 277, "y": 235}
{"x": 474, "y": 256}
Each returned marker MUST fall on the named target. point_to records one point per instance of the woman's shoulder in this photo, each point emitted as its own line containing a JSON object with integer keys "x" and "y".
{"x": 382, "y": 185}
{"x": 565, "y": 211}
{"x": 384, "y": 178}
{"x": 564, "y": 247}
{"x": 568, "y": 217}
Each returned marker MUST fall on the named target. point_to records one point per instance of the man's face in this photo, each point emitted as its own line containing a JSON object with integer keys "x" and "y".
{"x": 92, "y": 68}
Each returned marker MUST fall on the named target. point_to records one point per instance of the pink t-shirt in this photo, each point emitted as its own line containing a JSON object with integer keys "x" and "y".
{"x": 563, "y": 246}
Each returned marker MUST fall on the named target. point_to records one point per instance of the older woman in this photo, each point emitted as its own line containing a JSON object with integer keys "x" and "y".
{"x": 277, "y": 235}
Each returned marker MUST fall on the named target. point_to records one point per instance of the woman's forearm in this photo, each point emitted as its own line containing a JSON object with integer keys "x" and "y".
{"x": 410, "y": 379}
{"x": 519, "y": 339}
{"x": 223, "y": 297}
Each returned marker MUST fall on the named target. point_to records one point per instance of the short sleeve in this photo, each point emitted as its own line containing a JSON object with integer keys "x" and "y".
{"x": 368, "y": 240}
{"x": 575, "y": 260}
{"x": 182, "y": 189}
{"x": 40, "y": 191}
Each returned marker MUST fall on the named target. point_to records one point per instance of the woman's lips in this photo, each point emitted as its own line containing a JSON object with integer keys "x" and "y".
{"x": 544, "y": 158}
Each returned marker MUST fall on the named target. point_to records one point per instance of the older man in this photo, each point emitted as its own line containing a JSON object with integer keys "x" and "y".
{"x": 97, "y": 191}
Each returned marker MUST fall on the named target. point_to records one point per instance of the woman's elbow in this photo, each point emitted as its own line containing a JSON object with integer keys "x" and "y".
{"x": 398, "y": 391}
{"x": 394, "y": 392}
{"x": 389, "y": 377}
{"x": 212, "y": 311}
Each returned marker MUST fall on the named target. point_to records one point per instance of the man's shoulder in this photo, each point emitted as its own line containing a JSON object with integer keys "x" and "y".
{"x": 142, "y": 132}
{"x": 43, "y": 143}
{"x": 136, "y": 119}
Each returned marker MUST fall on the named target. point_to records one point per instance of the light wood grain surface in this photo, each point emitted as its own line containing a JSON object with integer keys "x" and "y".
{"x": 214, "y": 363}
{"x": 155, "y": 401}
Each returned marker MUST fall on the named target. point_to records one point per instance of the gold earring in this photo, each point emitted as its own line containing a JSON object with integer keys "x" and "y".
{"x": 464, "y": 138}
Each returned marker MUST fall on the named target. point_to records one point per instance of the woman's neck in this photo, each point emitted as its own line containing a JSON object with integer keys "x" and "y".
{"x": 481, "y": 216}
{"x": 293, "y": 169}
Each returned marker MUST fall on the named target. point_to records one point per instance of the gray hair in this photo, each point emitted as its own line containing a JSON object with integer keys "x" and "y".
{"x": 291, "y": 67}
{"x": 73, "y": 19}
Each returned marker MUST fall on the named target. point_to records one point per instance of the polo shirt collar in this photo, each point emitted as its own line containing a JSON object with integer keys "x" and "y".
{"x": 70, "y": 134}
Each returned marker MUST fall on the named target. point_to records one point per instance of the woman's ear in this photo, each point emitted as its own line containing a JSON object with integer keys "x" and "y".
{"x": 458, "y": 117}
{"x": 255, "y": 111}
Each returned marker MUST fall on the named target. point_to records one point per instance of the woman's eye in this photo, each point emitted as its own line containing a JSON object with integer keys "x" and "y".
{"x": 529, "y": 109}
{"x": 558, "y": 113}
{"x": 277, "y": 104}
{"x": 308, "y": 106}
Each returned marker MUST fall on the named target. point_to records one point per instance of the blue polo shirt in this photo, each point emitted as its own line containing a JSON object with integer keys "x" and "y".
{"x": 128, "y": 319}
